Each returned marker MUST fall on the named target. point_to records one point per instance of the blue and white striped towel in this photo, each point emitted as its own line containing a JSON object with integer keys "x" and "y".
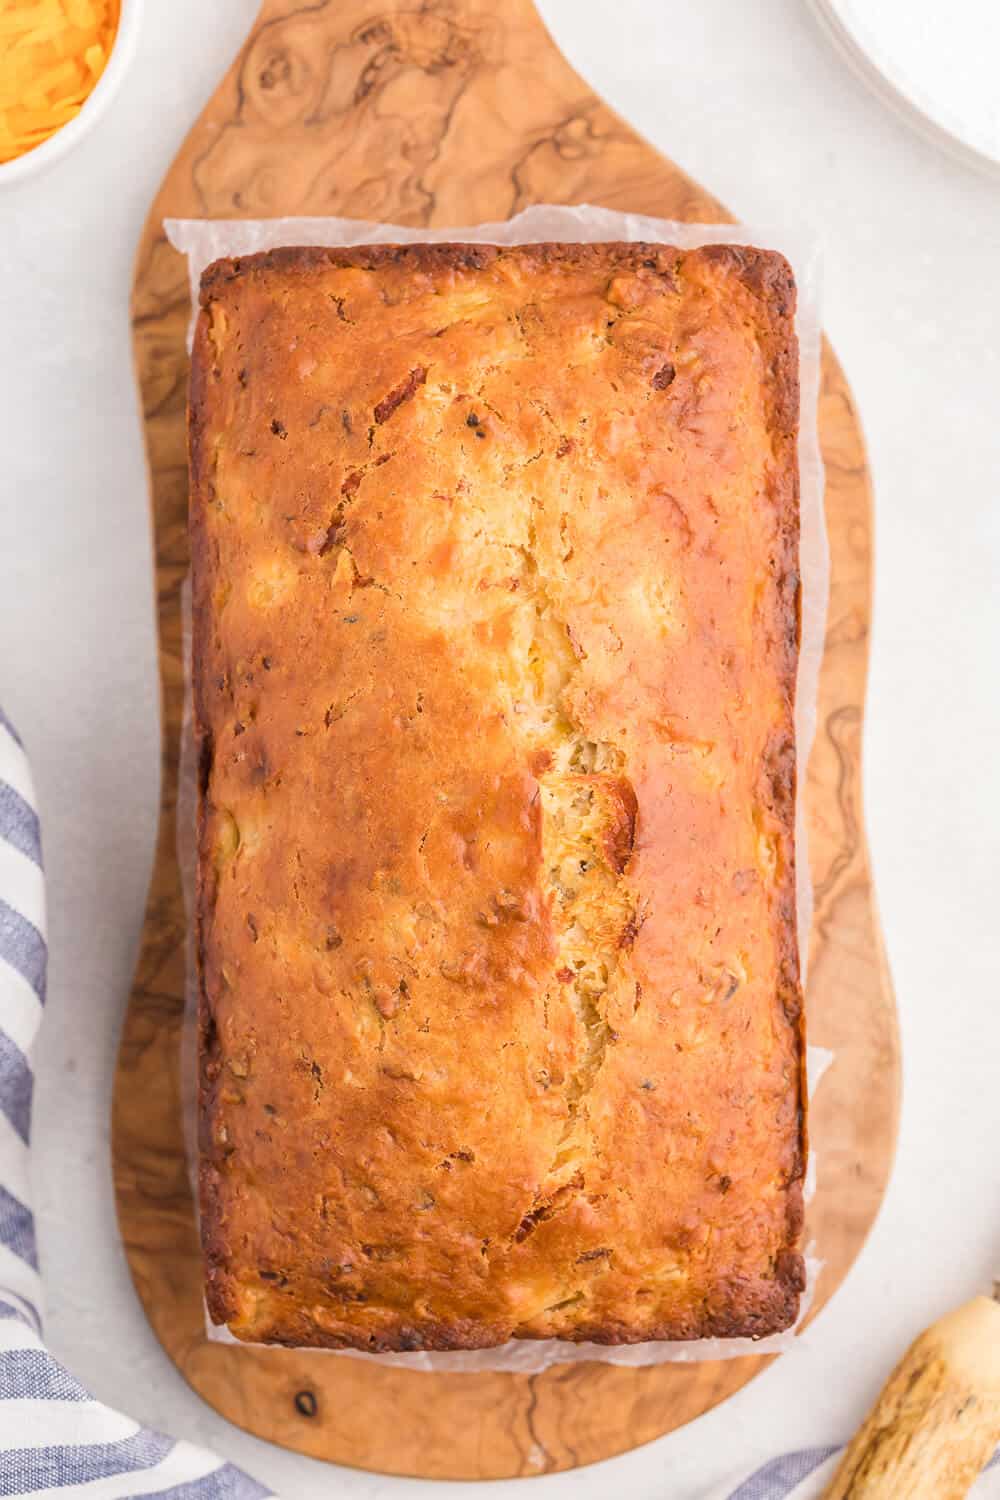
{"x": 55, "y": 1440}
{"x": 805, "y": 1475}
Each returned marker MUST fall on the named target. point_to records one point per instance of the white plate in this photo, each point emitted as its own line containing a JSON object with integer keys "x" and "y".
{"x": 938, "y": 63}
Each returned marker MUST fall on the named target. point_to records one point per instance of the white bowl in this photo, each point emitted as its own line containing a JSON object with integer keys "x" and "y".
{"x": 67, "y": 136}
{"x": 938, "y": 73}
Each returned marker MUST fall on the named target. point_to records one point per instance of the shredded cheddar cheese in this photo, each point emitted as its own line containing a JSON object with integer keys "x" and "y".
{"x": 52, "y": 52}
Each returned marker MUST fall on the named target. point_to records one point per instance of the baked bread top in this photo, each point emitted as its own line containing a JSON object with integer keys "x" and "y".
{"x": 495, "y": 563}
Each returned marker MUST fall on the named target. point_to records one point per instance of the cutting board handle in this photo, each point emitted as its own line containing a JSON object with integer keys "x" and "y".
{"x": 382, "y": 11}
{"x": 364, "y": 109}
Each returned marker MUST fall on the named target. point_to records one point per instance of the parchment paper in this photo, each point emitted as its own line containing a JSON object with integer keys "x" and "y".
{"x": 203, "y": 241}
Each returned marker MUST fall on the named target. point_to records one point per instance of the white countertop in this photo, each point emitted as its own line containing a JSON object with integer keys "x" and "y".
{"x": 751, "y": 100}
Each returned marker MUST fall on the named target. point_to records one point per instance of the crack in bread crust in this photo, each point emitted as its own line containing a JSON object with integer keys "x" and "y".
{"x": 588, "y": 829}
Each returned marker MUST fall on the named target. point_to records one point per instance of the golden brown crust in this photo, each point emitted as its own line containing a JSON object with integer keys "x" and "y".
{"x": 495, "y": 561}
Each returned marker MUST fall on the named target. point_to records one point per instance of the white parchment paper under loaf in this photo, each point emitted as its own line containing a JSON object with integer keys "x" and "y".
{"x": 204, "y": 241}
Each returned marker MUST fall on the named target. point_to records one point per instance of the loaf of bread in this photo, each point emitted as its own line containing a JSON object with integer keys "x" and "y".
{"x": 496, "y": 624}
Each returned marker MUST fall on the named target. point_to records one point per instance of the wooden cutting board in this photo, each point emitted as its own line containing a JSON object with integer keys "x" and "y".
{"x": 455, "y": 112}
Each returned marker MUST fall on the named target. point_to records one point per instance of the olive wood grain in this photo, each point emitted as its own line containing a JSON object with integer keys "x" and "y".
{"x": 452, "y": 112}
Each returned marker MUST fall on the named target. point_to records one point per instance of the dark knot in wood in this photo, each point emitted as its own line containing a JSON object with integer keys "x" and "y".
{"x": 306, "y": 1404}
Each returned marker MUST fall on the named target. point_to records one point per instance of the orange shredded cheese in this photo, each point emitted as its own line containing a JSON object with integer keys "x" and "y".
{"x": 52, "y": 52}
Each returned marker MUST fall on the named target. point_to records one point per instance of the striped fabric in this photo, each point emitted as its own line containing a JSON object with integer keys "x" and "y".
{"x": 805, "y": 1475}
{"x": 54, "y": 1439}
